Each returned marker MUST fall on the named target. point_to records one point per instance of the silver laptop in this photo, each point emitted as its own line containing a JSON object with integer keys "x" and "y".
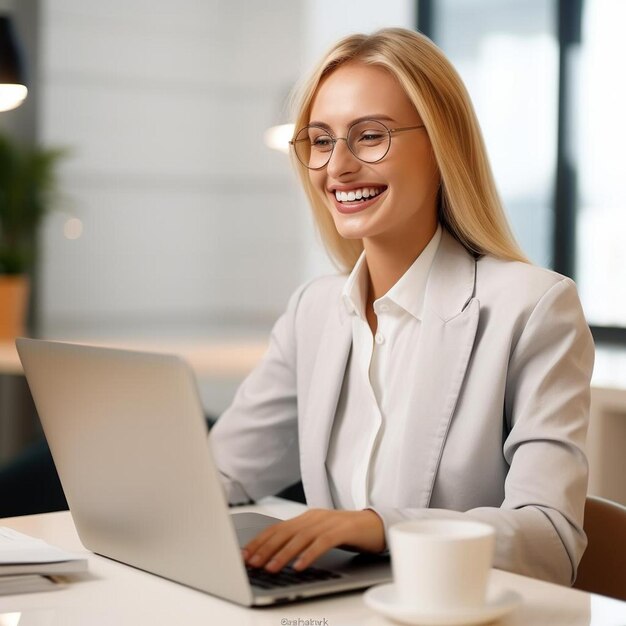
{"x": 128, "y": 437}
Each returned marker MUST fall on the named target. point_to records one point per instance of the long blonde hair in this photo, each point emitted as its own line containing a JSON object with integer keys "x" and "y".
{"x": 468, "y": 203}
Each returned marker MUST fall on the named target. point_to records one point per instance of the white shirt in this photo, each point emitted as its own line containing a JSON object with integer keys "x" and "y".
{"x": 373, "y": 408}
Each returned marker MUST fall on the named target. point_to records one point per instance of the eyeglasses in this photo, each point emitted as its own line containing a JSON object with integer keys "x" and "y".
{"x": 368, "y": 140}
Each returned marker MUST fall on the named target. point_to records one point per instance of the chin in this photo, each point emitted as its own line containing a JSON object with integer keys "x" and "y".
{"x": 355, "y": 226}
{"x": 347, "y": 232}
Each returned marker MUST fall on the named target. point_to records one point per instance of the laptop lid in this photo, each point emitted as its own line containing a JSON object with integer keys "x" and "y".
{"x": 129, "y": 440}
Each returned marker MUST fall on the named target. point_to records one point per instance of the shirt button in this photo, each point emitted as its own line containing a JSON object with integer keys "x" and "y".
{"x": 379, "y": 338}
{"x": 384, "y": 308}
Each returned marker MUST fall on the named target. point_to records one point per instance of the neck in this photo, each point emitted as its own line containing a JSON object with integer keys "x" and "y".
{"x": 388, "y": 260}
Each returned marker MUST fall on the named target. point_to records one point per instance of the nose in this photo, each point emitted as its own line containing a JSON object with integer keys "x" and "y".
{"x": 342, "y": 161}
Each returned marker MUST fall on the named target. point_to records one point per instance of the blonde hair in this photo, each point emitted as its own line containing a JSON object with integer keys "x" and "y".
{"x": 468, "y": 202}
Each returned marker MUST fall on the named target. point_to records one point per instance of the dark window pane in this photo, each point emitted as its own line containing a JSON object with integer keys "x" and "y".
{"x": 507, "y": 54}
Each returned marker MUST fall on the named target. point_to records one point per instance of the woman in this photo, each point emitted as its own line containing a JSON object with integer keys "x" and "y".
{"x": 446, "y": 376}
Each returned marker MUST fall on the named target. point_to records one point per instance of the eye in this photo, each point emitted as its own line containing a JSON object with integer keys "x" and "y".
{"x": 370, "y": 136}
{"x": 322, "y": 142}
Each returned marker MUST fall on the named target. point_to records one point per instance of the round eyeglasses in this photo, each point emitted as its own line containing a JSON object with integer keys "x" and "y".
{"x": 368, "y": 140}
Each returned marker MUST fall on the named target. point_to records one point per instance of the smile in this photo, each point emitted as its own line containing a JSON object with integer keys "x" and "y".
{"x": 357, "y": 199}
{"x": 358, "y": 194}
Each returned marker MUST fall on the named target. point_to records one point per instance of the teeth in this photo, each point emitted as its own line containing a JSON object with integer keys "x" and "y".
{"x": 357, "y": 194}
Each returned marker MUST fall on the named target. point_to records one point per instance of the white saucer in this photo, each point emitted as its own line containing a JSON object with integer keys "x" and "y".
{"x": 382, "y": 599}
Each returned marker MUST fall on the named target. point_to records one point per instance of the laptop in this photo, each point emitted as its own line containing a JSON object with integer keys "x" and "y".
{"x": 128, "y": 437}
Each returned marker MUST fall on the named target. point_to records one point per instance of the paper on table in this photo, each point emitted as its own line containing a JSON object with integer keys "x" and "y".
{"x": 18, "y": 548}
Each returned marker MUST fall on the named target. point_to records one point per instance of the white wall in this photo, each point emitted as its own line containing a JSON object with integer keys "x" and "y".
{"x": 191, "y": 225}
{"x": 188, "y": 218}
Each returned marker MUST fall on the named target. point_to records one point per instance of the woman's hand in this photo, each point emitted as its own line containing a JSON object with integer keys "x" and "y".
{"x": 311, "y": 534}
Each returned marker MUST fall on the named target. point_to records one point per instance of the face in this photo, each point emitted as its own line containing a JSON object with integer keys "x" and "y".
{"x": 404, "y": 182}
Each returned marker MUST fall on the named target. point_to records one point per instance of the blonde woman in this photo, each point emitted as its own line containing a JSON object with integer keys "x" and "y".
{"x": 442, "y": 375}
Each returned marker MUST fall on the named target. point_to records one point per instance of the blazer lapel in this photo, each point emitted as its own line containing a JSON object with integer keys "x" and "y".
{"x": 317, "y": 420}
{"x": 449, "y": 324}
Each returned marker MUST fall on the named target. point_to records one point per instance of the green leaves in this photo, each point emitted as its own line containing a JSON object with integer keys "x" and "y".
{"x": 27, "y": 192}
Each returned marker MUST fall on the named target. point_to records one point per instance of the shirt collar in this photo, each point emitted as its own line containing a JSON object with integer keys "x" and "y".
{"x": 407, "y": 293}
{"x": 355, "y": 289}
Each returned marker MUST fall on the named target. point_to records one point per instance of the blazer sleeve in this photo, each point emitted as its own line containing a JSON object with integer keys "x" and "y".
{"x": 255, "y": 441}
{"x": 539, "y": 525}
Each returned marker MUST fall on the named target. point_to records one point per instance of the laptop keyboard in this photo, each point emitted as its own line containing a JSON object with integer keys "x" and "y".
{"x": 288, "y": 576}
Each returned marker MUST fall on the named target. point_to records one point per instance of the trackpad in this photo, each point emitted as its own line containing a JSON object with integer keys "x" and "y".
{"x": 249, "y": 525}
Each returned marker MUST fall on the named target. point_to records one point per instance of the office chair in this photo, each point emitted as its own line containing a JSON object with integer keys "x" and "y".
{"x": 603, "y": 566}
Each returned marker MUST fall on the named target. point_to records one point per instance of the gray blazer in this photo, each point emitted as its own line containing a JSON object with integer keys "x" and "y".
{"x": 500, "y": 408}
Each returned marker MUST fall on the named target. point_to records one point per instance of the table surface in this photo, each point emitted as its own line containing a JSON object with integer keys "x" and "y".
{"x": 113, "y": 593}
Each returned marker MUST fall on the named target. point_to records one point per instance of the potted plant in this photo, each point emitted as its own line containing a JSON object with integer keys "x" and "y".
{"x": 28, "y": 179}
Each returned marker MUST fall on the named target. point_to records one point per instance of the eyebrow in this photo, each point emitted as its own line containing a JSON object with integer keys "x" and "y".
{"x": 356, "y": 121}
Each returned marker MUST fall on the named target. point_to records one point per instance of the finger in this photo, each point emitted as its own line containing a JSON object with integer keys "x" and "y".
{"x": 273, "y": 544}
{"x": 266, "y": 550}
{"x": 271, "y": 539}
{"x": 292, "y": 549}
{"x": 319, "y": 546}
{"x": 266, "y": 533}
{"x": 304, "y": 533}
{"x": 258, "y": 540}
{"x": 309, "y": 528}
{"x": 264, "y": 536}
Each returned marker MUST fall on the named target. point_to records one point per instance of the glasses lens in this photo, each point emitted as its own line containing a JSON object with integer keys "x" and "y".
{"x": 369, "y": 140}
{"x": 313, "y": 146}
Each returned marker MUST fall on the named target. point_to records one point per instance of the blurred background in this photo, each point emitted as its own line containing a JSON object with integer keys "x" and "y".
{"x": 175, "y": 221}
{"x": 175, "y": 216}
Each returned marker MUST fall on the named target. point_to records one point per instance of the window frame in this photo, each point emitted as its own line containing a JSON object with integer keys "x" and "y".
{"x": 569, "y": 18}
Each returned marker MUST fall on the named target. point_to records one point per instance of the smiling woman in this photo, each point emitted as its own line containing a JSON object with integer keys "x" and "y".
{"x": 427, "y": 90}
{"x": 403, "y": 173}
{"x": 444, "y": 376}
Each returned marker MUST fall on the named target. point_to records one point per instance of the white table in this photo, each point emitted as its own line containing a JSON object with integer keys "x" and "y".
{"x": 113, "y": 594}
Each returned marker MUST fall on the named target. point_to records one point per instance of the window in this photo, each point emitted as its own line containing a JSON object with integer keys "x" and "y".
{"x": 508, "y": 59}
{"x": 599, "y": 151}
{"x": 544, "y": 78}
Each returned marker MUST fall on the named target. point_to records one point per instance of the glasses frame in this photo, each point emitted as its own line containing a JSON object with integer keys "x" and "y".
{"x": 390, "y": 133}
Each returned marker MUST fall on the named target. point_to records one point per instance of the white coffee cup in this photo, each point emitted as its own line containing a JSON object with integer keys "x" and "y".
{"x": 441, "y": 565}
